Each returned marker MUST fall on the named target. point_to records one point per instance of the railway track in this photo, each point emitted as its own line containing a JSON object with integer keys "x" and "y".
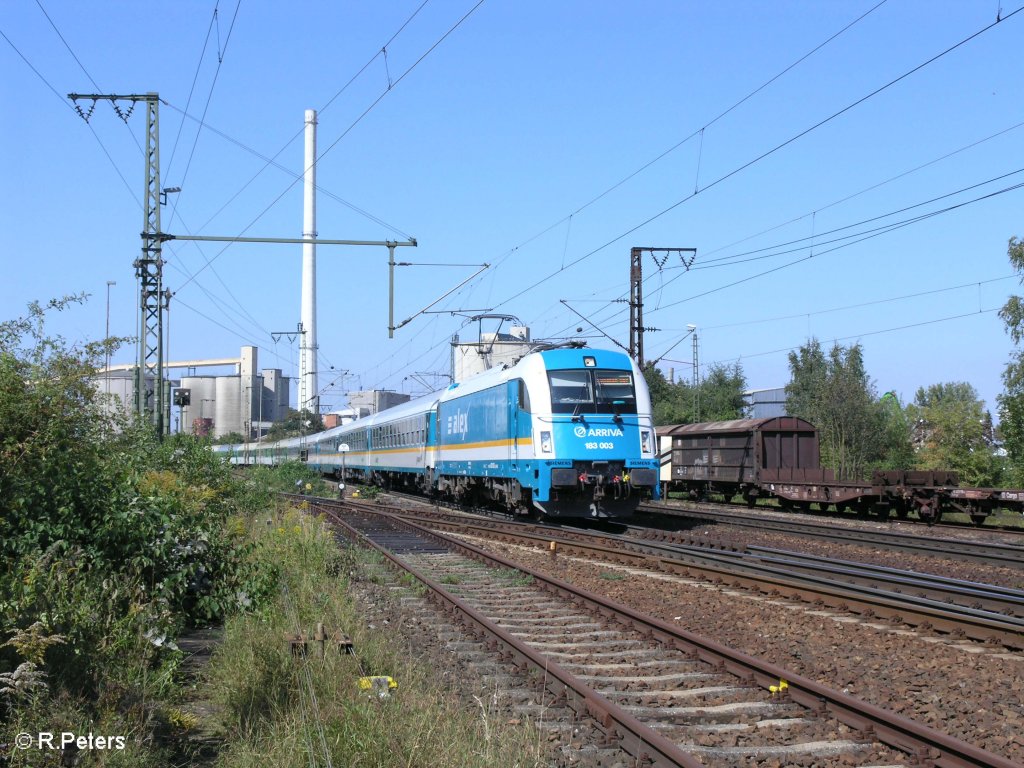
{"x": 666, "y": 696}
{"x": 991, "y": 553}
{"x": 964, "y": 609}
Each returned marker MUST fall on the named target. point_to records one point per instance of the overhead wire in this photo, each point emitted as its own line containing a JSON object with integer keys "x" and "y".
{"x": 861, "y": 236}
{"x": 499, "y": 260}
{"x": 66, "y": 45}
{"x": 738, "y": 258}
{"x": 221, "y": 52}
{"x": 272, "y": 161}
{"x": 870, "y": 188}
{"x": 898, "y": 176}
{"x": 99, "y": 89}
{"x": 359, "y": 119}
{"x": 866, "y": 236}
{"x": 202, "y": 123}
{"x": 837, "y": 202}
{"x": 402, "y": 76}
{"x": 859, "y": 305}
{"x": 183, "y": 268}
{"x": 765, "y": 154}
{"x": 861, "y": 335}
{"x": 192, "y": 88}
{"x": 688, "y": 138}
{"x": 64, "y": 101}
{"x": 776, "y": 147}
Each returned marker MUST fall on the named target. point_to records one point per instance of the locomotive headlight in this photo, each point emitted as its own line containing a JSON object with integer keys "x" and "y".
{"x": 545, "y": 442}
{"x": 645, "y": 441}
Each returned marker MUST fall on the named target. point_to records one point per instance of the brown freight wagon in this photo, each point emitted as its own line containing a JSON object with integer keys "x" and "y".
{"x": 754, "y": 458}
{"x": 780, "y": 458}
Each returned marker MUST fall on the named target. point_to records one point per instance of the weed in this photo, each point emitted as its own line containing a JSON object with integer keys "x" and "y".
{"x": 268, "y": 693}
{"x": 514, "y": 578}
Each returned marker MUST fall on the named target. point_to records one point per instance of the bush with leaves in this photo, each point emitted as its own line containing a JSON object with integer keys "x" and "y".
{"x": 108, "y": 538}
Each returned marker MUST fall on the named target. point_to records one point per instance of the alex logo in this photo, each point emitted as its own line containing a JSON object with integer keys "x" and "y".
{"x": 458, "y": 424}
{"x": 581, "y": 431}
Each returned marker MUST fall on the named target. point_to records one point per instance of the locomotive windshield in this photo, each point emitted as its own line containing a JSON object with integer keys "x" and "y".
{"x": 592, "y": 391}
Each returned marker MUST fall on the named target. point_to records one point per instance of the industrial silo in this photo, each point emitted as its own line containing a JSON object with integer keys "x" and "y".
{"x": 202, "y": 395}
{"x": 228, "y": 408}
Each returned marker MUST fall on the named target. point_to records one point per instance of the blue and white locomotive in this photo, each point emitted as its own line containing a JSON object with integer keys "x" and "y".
{"x": 562, "y": 433}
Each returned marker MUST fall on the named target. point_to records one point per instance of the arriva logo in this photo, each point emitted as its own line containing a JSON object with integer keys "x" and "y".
{"x": 601, "y": 432}
{"x": 580, "y": 431}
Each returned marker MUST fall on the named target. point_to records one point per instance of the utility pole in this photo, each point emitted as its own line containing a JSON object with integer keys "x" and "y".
{"x": 106, "y": 341}
{"x": 154, "y": 301}
{"x": 149, "y": 405}
{"x": 636, "y": 293}
{"x": 636, "y": 306}
{"x": 696, "y": 379}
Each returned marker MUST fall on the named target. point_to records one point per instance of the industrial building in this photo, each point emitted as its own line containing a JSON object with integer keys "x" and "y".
{"x": 245, "y": 402}
{"x": 491, "y": 349}
{"x": 765, "y": 403}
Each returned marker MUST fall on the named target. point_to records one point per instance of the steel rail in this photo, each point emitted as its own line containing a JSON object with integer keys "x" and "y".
{"x": 990, "y": 597}
{"x": 990, "y": 553}
{"x": 730, "y": 568}
{"x": 921, "y": 742}
{"x": 928, "y": 591}
{"x": 639, "y": 740}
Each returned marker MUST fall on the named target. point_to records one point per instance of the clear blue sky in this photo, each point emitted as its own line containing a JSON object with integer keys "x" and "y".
{"x": 545, "y": 139}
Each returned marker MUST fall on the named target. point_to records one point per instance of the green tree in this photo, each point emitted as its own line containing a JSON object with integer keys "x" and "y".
{"x": 671, "y": 403}
{"x": 952, "y": 430}
{"x": 1011, "y": 400}
{"x": 835, "y": 393}
{"x": 721, "y": 393}
{"x": 294, "y": 424}
{"x": 897, "y": 448}
{"x": 720, "y": 396}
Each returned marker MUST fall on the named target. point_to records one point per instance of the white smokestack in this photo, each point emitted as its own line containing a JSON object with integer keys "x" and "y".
{"x": 308, "y": 366}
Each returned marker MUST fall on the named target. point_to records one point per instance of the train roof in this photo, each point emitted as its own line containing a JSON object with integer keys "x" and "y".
{"x": 772, "y": 423}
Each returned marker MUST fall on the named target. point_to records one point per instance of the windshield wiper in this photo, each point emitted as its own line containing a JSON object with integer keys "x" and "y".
{"x": 617, "y": 408}
{"x": 576, "y": 415}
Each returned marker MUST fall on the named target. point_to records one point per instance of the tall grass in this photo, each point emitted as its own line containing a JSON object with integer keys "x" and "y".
{"x": 287, "y": 710}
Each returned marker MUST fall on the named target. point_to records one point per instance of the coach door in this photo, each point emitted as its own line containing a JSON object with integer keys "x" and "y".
{"x": 518, "y": 417}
